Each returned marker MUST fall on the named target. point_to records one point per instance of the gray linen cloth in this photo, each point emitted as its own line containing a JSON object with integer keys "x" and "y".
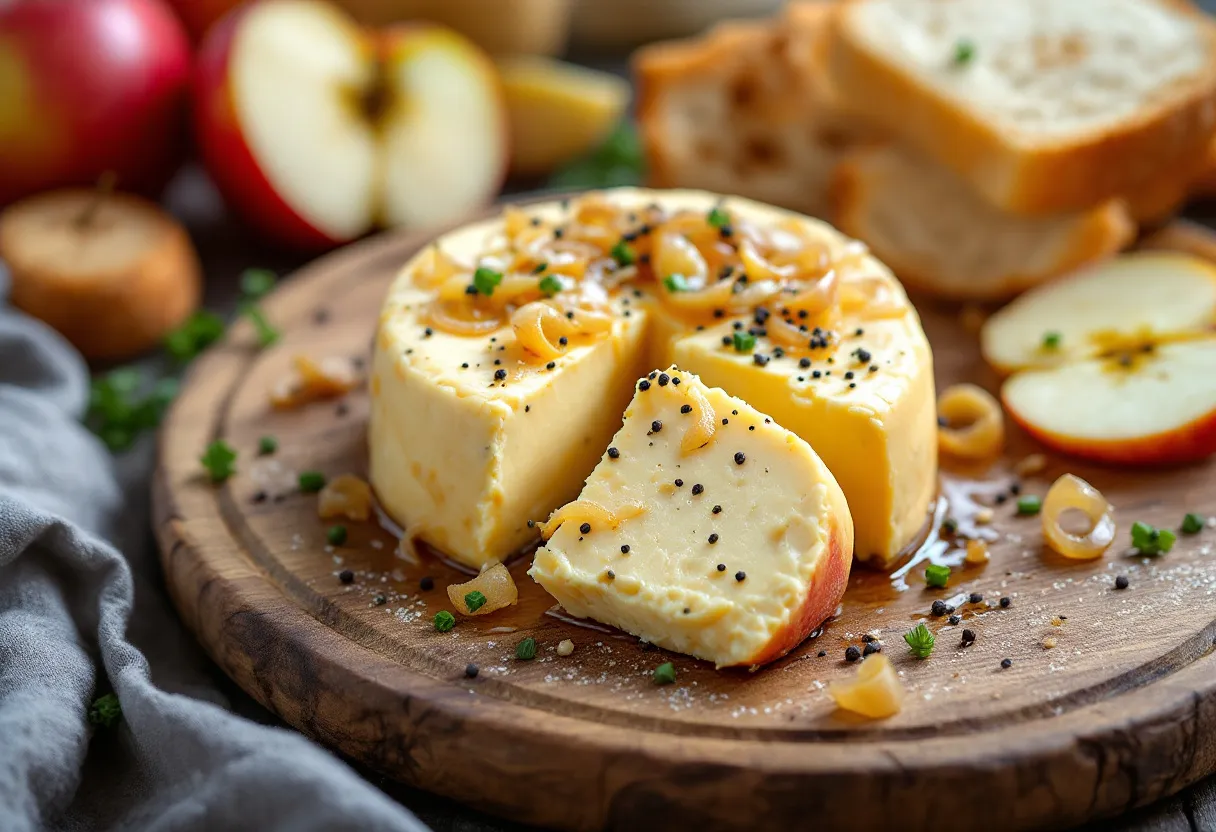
{"x": 78, "y": 619}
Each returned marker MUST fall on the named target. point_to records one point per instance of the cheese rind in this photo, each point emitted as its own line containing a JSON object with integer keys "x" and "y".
{"x": 737, "y": 586}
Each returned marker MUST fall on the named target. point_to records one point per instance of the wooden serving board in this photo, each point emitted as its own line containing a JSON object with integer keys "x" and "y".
{"x": 1121, "y": 712}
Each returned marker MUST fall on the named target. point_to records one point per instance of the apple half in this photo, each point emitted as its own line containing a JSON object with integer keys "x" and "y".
{"x": 316, "y": 129}
{"x": 1116, "y": 364}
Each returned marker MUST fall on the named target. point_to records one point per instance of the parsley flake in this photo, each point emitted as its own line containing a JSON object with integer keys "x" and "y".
{"x": 474, "y": 601}
{"x": 486, "y": 280}
{"x": 743, "y": 341}
{"x": 920, "y": 641}
{"x": 219, "y": 460}
{"x": 525, "y": 651}
{"x": 937, "y": 575}
{"x": 964, "y": 51}
{"x": 665, "y": 674}
{"x": 1192, "y": 523}
{"x": 1150, "y": 540}
{"x": 105, "y": 711}
{"x": 443, "y": 621}
{"x": 717, "y": 217}
{"x": 676, "y": 283}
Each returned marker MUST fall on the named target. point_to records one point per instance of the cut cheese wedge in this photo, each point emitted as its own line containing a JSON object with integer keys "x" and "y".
{"x": 706, "y": 528}
{"x": 491, "y": 405}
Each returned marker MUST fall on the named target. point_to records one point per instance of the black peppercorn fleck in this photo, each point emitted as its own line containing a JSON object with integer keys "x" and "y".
{"x": 346, "y": 576}
{"x": 740, "y": 457}
{"x": 713, "y": 538}
{"x": 679, "y": 483}
{"x": 499, "y": 375}
{"x": 872, "y": 647}
{"x": 721, "y": 567}
{"x": 624, "y": 548}
{"x": 1121, "y": 582}
{"x": 1006, "y": 601}
{"x": 686, "y": 408}
{"x": 852, "y": 654}
{"x": 697, "y": 488}
{"x": 955, "y": 619}
{"x": 717, "y": 509}
{"x": 427, "y": 584}
{"x": 975, "y": 598}
{"x": 656, "y": 426}
{"x": 379, "y": 600}
{"x": 550, "y": 365}
{"x": 866, "y": 638}
{"x": 471, "y": 671}
{"x": 968, "y": 637}
{"x": 664, "y": 379}
{"x": 643, "y": 385}
{"x": 740, "y": 575}
{"x": 613, "y": 453}
{"x": 939, "y": 608}
{"x": 585, "y": 528}
{"x": 1006, "y": 663}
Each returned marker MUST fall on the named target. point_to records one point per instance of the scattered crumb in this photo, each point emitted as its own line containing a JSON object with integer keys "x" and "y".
{"x": 565, "y": 647}
{"x": 984, "y": 516}
{"x": 1049, "y": 642}
{"x": 1030, "y": 465}
{"x": 977, "y": 551}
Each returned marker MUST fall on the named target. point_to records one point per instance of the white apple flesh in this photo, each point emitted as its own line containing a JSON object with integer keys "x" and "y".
{"x": 1144, "y": 296}
{"x": 316, "y": 129}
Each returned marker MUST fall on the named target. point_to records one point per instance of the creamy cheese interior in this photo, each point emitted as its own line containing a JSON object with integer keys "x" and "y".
{"x": 472, "y": 437}
{"x": 732, "y": 551}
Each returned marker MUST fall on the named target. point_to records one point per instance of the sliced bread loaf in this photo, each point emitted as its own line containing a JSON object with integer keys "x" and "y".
{"x": 940, "y": 237}
{"x": 1042, "y": 105}
{"x": 737, "y": 111}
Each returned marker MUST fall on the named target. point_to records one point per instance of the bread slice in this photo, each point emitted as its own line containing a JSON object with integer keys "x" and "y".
{"x": 1044, "y": 106}
{"x": 738, "y": 111}
{"x": 941, "y": 238}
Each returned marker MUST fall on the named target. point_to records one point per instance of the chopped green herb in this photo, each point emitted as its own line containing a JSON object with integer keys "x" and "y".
{"x": 486, "y": 280}
{"x": 311, "y": 481}
{"x": 474, "y": 601}
{"x": 619, "y": 161}
{"x": 676, "y": 283}
{"x": 623, "y": 254}
{"x": 526, "y": 650}
{"x": 219, "y": 460}
{"x": 964, "y": 51}
{"x": 717, "y": 217}
{"x": 950, "y": 525}
{"x": 540, "y": 267}
{"x": 744, "y": 341}
{"x": 105, "y": 711}
{"x": 1150, "y": 540}
{"x": 665, "y": 674}
{"x": 937, "y": 575}
{"x": 336, "y": 535}
{"x": 1193, "y": 523}
{"x": 550, "y": 285}
{"x": 1029, "y": 505}
{"x": 266, "y": 333}
{"x": 920, "y": 641}
{"x": 118, "y": 414}
{"x": 444, "y": 621}
{"x": 195, "y": 334}
{"x": 267, "y": 445}
{"x": 1051, "y": 340}
{"x": 257, "y": 283}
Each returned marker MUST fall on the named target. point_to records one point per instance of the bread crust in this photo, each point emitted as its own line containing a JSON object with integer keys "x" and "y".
{"x": 1101, "y": 232}
{"x": 120, "y": 307}
{"x": 1067, "y": 175}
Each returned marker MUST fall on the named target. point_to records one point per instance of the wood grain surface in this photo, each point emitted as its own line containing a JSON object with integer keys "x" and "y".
{"x": 1118, "y": 714}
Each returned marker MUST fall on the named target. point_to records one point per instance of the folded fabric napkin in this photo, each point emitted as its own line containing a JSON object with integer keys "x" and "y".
{"x": 82, "y": 613}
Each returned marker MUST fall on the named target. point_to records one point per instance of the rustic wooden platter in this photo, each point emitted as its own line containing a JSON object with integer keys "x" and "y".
{"x": 1121, "y": 712}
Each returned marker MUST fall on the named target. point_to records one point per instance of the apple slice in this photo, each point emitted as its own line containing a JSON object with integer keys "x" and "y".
{"x": 316, "y": 129}
{"x": 1129, "y": 301}
{"x": 558, "y": 111}
{"x": 1154, "y": 407}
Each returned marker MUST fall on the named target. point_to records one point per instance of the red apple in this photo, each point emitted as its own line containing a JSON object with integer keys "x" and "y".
{"x": 316, "y": 129}
{"x": 198, "y": 15}
{"x": 90, "y": 87}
